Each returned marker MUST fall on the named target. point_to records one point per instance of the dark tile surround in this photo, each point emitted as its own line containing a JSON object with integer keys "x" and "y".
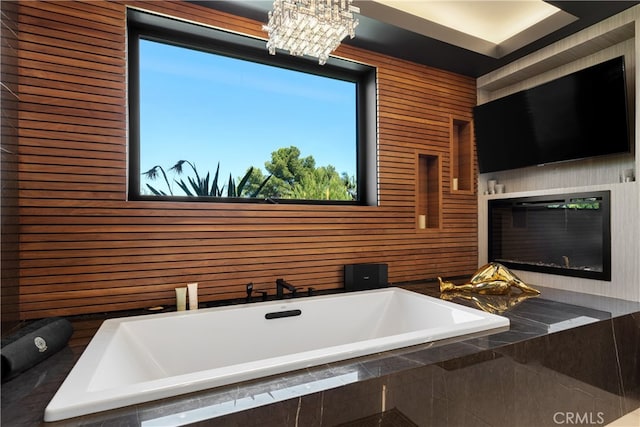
{"x": 534, "y": 374}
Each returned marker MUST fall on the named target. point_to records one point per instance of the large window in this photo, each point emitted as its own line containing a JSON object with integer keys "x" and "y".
{"x": 213, "y": 117}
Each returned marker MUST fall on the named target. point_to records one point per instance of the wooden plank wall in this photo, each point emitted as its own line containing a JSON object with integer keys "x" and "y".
{"x": 84, "y": 248}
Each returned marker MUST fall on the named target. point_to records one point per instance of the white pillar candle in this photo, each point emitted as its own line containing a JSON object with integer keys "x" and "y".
{"x": 422, "y": 221}
{"x": 193, "y": 296}
{"x": 181, "y": 299}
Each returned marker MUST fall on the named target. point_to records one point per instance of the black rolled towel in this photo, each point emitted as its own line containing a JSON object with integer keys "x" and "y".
{"x": 33, "y": 344}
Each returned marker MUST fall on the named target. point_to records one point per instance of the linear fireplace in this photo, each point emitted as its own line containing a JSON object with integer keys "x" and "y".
{"x": 566, "y": 234}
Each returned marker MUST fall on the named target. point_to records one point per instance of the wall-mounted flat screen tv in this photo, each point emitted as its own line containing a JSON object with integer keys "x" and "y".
{"x": 580, "y": 115}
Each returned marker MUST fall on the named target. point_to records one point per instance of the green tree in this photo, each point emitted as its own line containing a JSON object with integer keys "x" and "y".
{"x": 323, "y": 183}
{"x": 290, "y": 177}
{"x": 287, "y": 169}
{"x": 350, "y": 184}
{"x": 294, "y": 177}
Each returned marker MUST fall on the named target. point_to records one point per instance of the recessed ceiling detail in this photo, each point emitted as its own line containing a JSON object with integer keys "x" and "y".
{"x": 391, "y": 31}
{"x": 493, "y": 28}
{"x": 493, "y": 21}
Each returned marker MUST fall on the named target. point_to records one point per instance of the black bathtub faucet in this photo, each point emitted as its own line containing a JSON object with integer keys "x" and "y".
{"x": 282, "y": 284}
{"x": 249, "y": 291}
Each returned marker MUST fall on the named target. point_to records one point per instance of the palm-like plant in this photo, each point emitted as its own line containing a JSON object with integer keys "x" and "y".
{"x": 236, "y": 191}
{"x": 200, "y": 186}
{"x": 153, "y": 174}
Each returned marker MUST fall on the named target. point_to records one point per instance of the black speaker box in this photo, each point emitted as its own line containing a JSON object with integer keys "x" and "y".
{"x": 360, "y": 277}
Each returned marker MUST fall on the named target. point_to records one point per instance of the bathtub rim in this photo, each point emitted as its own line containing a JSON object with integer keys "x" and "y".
{"x": 59, "y": 408}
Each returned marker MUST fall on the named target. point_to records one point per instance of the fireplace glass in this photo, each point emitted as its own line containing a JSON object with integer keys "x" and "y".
{"x": 566, "y": 234}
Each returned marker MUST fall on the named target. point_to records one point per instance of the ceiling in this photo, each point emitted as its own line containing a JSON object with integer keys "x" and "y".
{"x": 490, "y": 20}
{"x": 408, "y": 29}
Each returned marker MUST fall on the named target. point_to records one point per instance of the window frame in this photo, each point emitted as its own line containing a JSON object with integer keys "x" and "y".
{"x": 162, "y": 29}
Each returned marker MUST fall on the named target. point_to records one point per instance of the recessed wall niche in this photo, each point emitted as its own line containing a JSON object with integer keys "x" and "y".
{"x": 428, "y": 188}
{"x": 461, "y": 150}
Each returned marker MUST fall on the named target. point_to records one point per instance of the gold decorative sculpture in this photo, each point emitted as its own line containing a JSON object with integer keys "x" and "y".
{"x": 490, "y": 279}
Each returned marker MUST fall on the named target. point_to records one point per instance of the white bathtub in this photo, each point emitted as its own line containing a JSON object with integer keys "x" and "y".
{"x": 143, "y": 358}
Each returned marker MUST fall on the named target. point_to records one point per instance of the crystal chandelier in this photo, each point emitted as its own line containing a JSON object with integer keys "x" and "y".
{"x": 310, "y": 27}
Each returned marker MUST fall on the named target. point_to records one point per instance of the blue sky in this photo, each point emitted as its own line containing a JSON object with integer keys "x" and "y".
{"x": 208, "y": 109}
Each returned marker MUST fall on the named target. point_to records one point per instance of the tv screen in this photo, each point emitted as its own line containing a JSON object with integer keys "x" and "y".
{"x": 580, "y": 115}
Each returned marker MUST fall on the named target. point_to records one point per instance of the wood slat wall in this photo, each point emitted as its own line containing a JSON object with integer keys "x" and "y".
{"x": 84, "y": 248}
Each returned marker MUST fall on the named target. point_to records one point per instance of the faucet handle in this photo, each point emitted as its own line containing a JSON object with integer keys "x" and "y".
{"x": 249, "y": 291}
